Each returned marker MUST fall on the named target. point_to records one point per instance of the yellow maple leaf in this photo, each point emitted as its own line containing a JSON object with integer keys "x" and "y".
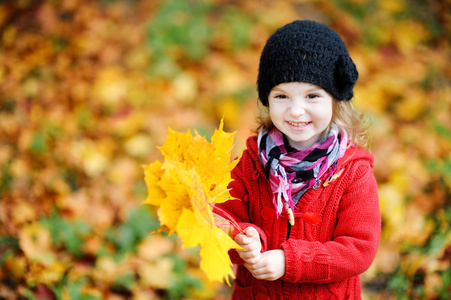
{"x": 215, "y": 243}
{"x": 151, "y": 175}
{"x": 193, "y": 176}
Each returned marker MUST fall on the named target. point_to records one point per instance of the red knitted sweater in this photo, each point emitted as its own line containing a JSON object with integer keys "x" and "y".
{"x": 323, "y": 261}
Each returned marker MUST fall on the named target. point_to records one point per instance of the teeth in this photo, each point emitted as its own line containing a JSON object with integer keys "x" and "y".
{"x": 298, "y": 124}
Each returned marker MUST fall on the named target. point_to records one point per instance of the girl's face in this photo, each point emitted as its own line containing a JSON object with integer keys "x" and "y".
{"x": 302, "y": 111}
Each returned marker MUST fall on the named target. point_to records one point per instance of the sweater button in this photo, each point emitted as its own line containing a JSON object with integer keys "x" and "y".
{"x": 255, "y": 175}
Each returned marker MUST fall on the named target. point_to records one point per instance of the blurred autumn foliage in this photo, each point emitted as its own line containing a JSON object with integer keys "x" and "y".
{"x": 88, "y": 88}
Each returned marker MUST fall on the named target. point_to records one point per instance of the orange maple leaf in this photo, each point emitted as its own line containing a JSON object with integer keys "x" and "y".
{"x": 193, "y": 176}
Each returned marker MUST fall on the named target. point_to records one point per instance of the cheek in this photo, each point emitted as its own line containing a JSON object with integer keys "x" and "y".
{"x": 272, "y": 113}
{"x": 276, "y": 118}
{"x": 326, "y": 113}
{"x": 329, "y": 116}
{"x": 276, "y": 111}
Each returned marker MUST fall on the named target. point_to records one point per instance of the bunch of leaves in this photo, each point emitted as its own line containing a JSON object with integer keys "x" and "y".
{"x": 192, "y": 178}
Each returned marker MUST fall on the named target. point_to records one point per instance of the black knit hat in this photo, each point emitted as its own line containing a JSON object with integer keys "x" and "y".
{"x": 307, "y": 51}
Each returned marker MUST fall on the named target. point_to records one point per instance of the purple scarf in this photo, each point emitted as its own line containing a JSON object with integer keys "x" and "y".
{"x": 291, "y": 171}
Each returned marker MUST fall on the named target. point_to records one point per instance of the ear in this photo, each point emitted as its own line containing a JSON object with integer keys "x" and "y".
{"x": 345, "y": 76}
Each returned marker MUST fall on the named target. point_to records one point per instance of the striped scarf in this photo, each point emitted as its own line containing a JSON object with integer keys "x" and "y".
{"x": 291, "y": 171}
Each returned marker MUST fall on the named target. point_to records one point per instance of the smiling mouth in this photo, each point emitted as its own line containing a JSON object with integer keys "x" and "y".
{"x": 301, "y": 124}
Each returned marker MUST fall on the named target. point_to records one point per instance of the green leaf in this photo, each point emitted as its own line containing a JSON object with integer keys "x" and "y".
{"x": 38, "y": 143}
{"x": 125, "y": 281}
{"x": 399, "y": 284}
{"x": 142, "y": 222}
{"x": 67, "y": 234}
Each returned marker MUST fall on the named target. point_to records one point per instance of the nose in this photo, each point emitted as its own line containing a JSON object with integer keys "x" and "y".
{"x": 297, "y": 108}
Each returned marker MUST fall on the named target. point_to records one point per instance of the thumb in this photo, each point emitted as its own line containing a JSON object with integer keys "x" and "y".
{"x": 251, "y": 232}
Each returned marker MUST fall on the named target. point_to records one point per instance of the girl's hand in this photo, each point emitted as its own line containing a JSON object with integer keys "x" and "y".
{"x": 270, "y": 266}
{"x": 250, "y": 242}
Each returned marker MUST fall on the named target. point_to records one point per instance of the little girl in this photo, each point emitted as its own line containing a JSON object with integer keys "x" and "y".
{"x": 308, "y": 199}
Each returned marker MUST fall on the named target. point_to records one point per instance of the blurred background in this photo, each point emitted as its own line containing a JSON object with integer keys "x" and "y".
{"x": 89, "y": 88}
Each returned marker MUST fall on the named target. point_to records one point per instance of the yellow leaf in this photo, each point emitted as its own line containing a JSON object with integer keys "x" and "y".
{"x": 412, "y": 262}
{"x": 154, "y": 247}
{"x": 207, "y": 289}
{"x": 95, "y": 156}
{"x": 223, "y": 143}
{"x": 152, "y": 173}
{"x": 393, "y": 211}
{"x": 158, "y": 274}
{"x": 408, "y": 36}
{"x": 111, "y": 86}
{"x": 230, "y": 79}
{"x": 230, "y": 109}
{"x": 23, "y": 212}
{"x": 35, "y": 241}
{"x": 177, "y": 195}
{"x": 412, "y": 106}
{"x": 138, "y": 145}
{"x": 130, "y": 124}
{"x": 176, "y": 143}
{"x": 107, "y": 269}
{"x": 198, "y": 199}
{"x": 185, "y": 87}
{"x": 15, "y": 265}
{"x": 391, "y": 6}
{"x": 48, "y": 274}
{"x": 193, "y": 176}
{"x": 215, "y": 262}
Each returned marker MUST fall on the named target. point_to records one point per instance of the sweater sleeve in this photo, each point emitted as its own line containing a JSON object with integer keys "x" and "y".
{"x": 355, "y": 239}
{"x": 238, "y": 209}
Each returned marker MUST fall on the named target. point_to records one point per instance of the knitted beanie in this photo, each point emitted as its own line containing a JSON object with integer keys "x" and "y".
{"x": 307, "y": 51}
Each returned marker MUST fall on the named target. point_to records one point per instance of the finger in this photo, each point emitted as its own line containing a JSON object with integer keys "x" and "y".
{"x": 268, "y": 277}
{"x": 242, "y": 239}
{"x": 250, "y": 247}
{"x": 260, "y": 273}
{"x": 245, "y": 247}
{"x": 251, "y": 232}
{"x": 254, "y": 246}
{"x": 251, "y": 259}
{"x": 253, "y": 265}
{"x": 249, "y": 255}
{"x": 239, "y": 239}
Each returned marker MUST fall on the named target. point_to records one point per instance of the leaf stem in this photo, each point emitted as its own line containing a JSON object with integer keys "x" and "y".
{"x": 229, "y": 218}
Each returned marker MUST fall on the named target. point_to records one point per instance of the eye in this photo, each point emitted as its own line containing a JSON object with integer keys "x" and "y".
{"x": 281, "y": 96}
{"x": 312, "y": 96}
